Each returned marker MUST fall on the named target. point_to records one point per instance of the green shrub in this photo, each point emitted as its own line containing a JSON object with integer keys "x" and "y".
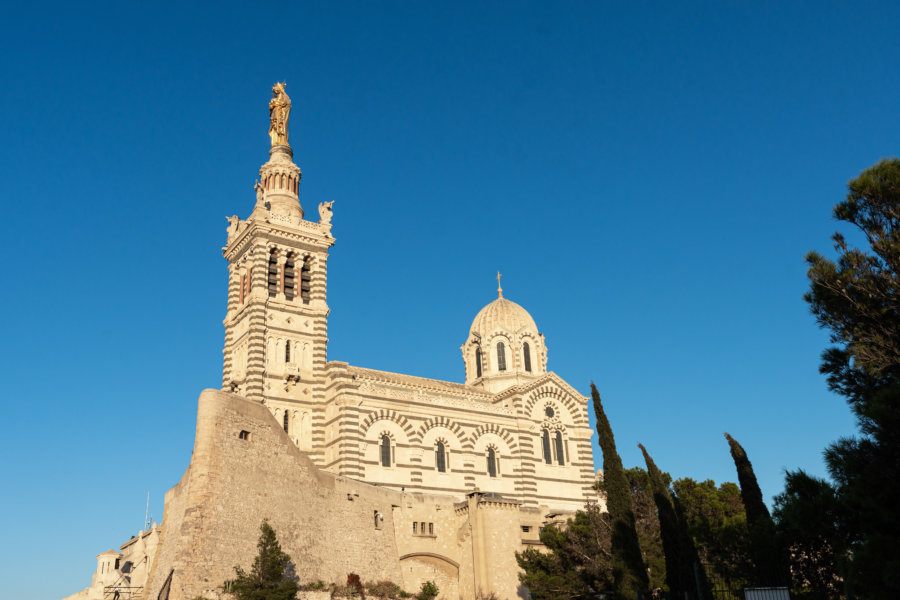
{"x": 344, "y": 591}
{"x": 429, "y": 591}
{"x": 315, "y": 586}
{"x": 385, "y": 590}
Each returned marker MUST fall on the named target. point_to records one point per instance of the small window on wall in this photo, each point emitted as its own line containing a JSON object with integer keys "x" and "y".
{"x": 526, "y": 355}
{"x": 431, "y": 529}
{"x": 477, "y": 362}
{"x": 415, "y": 527}
{"x": 492, "y": 462}
{"x": 545, "y": 442}
{"x": 244, "y": 435}
{"x": 501, "y": 356}
{"x": 286, "y": 422}
{"x": 385, "y": 451}
{"x": 560, "y": 455}
{"x": 440, "y": 458}
{"x": 287, "y": 351}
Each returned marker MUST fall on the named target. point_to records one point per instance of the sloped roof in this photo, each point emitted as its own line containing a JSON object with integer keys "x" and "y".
{"x": 421, "y": 382}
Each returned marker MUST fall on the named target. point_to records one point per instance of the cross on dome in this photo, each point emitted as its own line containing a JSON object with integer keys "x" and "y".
{"x": 499, "y": 289}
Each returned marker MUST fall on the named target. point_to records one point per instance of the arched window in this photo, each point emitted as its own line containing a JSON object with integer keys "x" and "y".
{"x": 385, "y": 451}
{"x": 477, "y": 362}
{"x": 286, "y": 422}
{"x": 305, "y": 280}
{"x": 560, "y": 455}
{"x": 290, "y": 274}
{"x": 526, "y": 355}
{"x": 492, "y": 462}
{"x": 501, "y": 356}
{"x": 440, "y": 457}
{"x": 287, "y": 351}
{"x": 545, "y": 439}
{"x": 273, "y": 274}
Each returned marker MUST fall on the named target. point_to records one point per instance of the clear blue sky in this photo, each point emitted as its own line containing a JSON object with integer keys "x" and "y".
{"x": 647, "y": 176}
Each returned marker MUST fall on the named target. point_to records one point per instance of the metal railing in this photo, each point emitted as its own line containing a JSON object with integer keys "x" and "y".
{"x": 122, "y": 592}
{"x": 767, "y": 593}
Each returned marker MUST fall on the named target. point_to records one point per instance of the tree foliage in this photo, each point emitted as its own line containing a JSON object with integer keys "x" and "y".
{"x": 717, "y": 522}
{"x": 646, "y": 524}
{"x": 429, "y": 591}
{"x": 267, "y": 579}
{"x": 856, "y": 298}
{"x": 807, "y": 515}
{"x": 681, "y": 558}
{"x": 628, "y": 569}
{"x": 577, "y": 563}
{"x": 769, "y": 560}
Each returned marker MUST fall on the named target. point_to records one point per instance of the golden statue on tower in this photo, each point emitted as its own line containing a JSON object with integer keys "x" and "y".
{"x": 279, "y": 113}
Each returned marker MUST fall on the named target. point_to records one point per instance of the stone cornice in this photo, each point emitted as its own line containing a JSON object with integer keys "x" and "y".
{"x": 307, "y": 232}
{"x": 423, "y": 383}
{"x": 396, "y": 386}
{"x": 549, "y": 377}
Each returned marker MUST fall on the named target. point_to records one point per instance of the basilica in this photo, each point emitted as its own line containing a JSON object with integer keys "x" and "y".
{"x": 388, "y": 475}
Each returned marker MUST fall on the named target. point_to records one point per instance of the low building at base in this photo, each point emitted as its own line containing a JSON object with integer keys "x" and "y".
{"x": 122, "y": 574}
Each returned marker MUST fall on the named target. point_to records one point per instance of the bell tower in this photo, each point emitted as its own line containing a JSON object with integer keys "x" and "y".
{"x": 276, "y": 325}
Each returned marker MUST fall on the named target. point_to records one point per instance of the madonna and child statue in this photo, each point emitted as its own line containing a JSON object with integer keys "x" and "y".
{"x": 279, "y": 113}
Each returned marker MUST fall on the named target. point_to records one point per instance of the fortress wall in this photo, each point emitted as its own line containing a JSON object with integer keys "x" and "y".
{"x": 212, "y": 517}
{"x": 173, "y": 515}
{"x": 500, "y": 532}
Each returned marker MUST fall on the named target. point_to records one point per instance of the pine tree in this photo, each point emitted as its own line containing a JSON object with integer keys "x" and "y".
{"x": 266, "y": 579}
{"x": 769, "y": 560}
{"x": 856, "y": 297}
{"x": 576, "y": 563}
{"x": 629, "y": 571}
{"x": 681, "y": 553}
{"x": 807, "y": 516}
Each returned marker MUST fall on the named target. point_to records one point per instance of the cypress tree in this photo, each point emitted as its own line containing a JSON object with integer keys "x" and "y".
{"x": 629, "y": 571}
{"x": 267, "y": 579}
{"x": 770, "y": 561}
{"x": 668, "y": 529}
{"x": 678, "y": 545}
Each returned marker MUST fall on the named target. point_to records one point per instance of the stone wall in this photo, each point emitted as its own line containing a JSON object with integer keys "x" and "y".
{"x": 212, "y": 517}
{"x": 164, "y": 560}
{"x": 245, "y": 469}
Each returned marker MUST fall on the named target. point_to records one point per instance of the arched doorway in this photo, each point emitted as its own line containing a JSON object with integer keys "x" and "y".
{"x": 420, "y": 567}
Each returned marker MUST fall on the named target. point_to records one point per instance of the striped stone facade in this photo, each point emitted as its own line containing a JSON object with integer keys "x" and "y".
{"x": 386, "y": 475}
{"x": 345, "y": 417}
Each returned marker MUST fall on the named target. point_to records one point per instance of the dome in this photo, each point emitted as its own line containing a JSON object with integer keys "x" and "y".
{"x": 504, "y": 347}
{"x": 505, "y": 315}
